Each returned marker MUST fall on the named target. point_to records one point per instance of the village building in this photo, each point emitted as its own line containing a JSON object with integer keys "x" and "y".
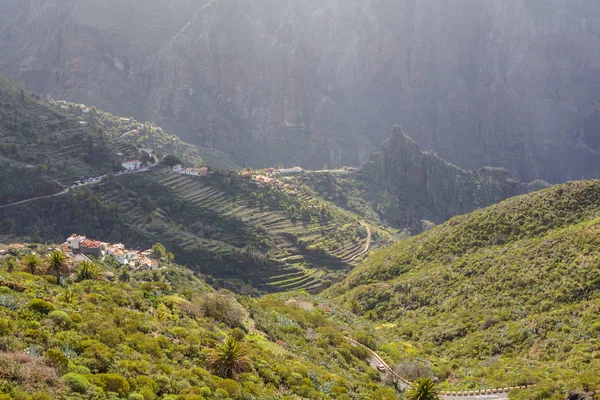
{"x": 132, "y": 165}
{"x": 203, "y": 171}
{"x": 75, "y": 241}
{"x": 290, "y": 171}
{"x": 177, "y": 168}
{"x": 91, "y": 247}
{"x": 192, "y": 171}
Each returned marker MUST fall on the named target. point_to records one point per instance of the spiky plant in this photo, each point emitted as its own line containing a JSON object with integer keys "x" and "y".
{"x": 230, "y": 359}
{"x": 422, "y": 389}
{"x": 32, "y": 264}
{"x": 87, "y": 271}
{"x": 57, "y": 264}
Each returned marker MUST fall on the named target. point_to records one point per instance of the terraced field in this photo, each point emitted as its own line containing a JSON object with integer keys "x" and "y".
{"x": 309, "y": 254}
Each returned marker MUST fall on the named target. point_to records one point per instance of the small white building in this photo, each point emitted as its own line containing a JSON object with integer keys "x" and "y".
{"x": 75, "y": 241}
{"x": 291, "y": 171}
{"x": 177, "y": 168}
{"x": 132, "y": 165}
{"x": 192, "y": 171}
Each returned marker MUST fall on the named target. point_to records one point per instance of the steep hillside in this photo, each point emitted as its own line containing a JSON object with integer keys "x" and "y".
{"x": 160, "y": 334}
{"x": 512, "y": 291}
{"x": 407, "y": 188}
{"x": 42, "y": 148}
{"x": 509, "y": 84}
{"x": 223, "y": 225}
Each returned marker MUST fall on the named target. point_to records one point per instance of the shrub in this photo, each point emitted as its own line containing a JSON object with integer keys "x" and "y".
{"x": 57, "y": 359}
{"x": 136, "y": 396}
{"x": 41, "y": 306}
{"x": 60, "y": 319}
{"x": 224, "y": 308}
{"x": 7, "y": 327}
{"x": 76, "y": 383}
{"x": 111, "y": 383}
{"x": 366, "y": 340}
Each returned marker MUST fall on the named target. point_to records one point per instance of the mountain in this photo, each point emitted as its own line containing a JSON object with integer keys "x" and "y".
{"x": 511, "y": 291}
{"x": 111, "y": 333}
{"x": 408, "y": 188}
{"x": 480, "y": 83}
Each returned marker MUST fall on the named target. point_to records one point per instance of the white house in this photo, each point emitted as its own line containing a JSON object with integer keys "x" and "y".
{"x": 177, "y": 168}
{"x": 192, "y": 171}
{"x": 291, "y": 171}
{"x": 74, "y": 241}
{"x": 132, "y": 165}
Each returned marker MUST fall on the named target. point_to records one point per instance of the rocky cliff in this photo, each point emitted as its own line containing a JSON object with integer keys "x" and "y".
{"x": 416, "y": 186}
{"x": 480, "y": 82}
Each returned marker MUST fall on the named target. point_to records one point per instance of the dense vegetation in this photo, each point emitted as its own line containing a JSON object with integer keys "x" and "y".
{"x": 505, "y": 295}
{"x": 118, "y": 333}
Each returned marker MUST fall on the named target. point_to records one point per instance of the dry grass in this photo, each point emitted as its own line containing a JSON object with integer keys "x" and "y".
{"x": 29, "y": 372}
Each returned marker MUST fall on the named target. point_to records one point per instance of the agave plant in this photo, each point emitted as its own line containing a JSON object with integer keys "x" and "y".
{"x": 230, "y": 359}
{"x": 422, "y": 389}
{"x": 87, "y": 271}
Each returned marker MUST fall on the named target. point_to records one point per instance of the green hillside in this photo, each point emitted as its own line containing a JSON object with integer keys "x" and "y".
{"x": 158, "y": 334}
{"x": 222, "y": 225}
{"x": 43, "y": 148}
{"x": 508, "y": 295}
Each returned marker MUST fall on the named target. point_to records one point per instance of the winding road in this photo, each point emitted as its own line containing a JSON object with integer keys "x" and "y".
{"x": 68, "y": 189}
{"x": 376, "y": 360}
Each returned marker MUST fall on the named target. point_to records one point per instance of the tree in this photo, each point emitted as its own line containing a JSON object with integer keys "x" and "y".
{"x": 422, "y": 389}
{"x": 10, "y": 264}
{"x": 32, "y": 264}
{"x": 87, "y": 271}
{"x": 158, "y": 251}
{"x": 57, "y": 264}
{"x": 171, "y": 160}
{"x": 230, "y": 359}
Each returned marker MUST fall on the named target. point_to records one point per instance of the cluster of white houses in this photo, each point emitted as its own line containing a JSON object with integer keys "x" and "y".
{"x": 190, "y": 171}
{"x": 77, "y": 244}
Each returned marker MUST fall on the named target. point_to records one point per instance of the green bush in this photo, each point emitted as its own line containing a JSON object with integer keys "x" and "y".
{"x": 41, "y": 306}
{"x": 76, "y": 383}
{"x": 111, "y": 383}
{"x": 60, "y": 319}
{"x": 57, "y": 359}
{"x": 7, "y": 327}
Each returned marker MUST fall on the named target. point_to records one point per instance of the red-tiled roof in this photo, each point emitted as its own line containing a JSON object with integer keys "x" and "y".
{"x": 91, "y": 244}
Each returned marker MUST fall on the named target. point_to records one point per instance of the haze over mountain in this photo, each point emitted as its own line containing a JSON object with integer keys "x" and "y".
{"x": 481, "y": 82}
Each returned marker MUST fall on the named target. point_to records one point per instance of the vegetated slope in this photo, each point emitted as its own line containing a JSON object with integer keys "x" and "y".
{"x": 43, "y": 148}
{"x": 152, "y": 334}
{"x": 407, "y": 188}
{"x": 505, "y": 295}
{"x": 150, "y": 136}
{"x": 223, "y": 225}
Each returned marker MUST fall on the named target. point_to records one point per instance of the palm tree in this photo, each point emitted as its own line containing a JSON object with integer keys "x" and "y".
{"x": 87, "y": 271}
{"x": 422, "y": 389}
{"x": 230, "y": 359}
{"x": 32, "y": 264}
{"x": 57, "y": 264}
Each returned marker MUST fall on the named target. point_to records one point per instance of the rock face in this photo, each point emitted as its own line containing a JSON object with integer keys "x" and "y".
{"x": 424, "y": 187}
{"x": 512, "y": 84}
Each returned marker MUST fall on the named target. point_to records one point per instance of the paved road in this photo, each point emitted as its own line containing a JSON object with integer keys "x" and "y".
{"x": 478, "y": 396}
{"x": 368, "y": 245}
{"x": 65, "y": 191}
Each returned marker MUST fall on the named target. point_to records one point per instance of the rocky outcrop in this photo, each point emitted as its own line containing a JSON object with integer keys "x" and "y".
{"x": 424, "y": 187}
{"x": 480, "y": 82}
